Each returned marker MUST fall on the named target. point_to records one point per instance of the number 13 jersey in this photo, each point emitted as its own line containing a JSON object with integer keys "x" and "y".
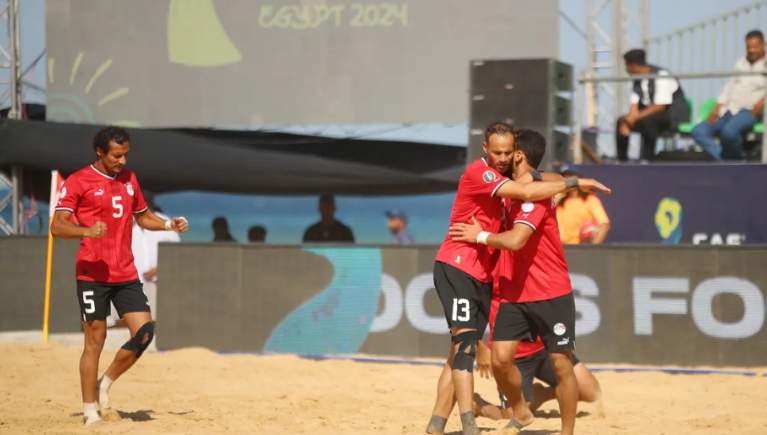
{"x": 93, "y": 196}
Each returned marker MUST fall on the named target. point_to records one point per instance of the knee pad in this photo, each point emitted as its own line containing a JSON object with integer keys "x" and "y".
{"x": 135, "y": 344}
{"x": 467, "y": 350}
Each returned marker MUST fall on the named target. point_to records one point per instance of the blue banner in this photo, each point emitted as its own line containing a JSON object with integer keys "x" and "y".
{"x": 693, "y": 203}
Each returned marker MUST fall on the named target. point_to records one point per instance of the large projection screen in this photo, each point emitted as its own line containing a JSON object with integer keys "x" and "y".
{"x": 214, "y": 63}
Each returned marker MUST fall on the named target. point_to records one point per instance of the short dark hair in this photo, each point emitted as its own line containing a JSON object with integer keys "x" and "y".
{"x": 220, "y": 222}
{"x": 328, "y": 198}
{"x": 635, "y": 57}
{"x": 256, "y": 232}
{"x": 109, "y": 134}
{"x": 532, "y": 144}
{"x": 499, "y": 128}
{"x": 755, "y": 34}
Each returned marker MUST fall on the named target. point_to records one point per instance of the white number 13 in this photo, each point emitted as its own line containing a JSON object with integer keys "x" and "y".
{"x": 117, "y": 206}
{"x": 464, "y": 309}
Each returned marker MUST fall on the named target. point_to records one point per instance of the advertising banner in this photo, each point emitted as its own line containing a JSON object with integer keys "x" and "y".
{"x": 685, "y": 305}
{"x": 684, "y": 204}
{"x": 218, "y": 63}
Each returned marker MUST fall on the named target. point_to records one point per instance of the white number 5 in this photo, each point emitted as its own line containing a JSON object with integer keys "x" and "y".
{"x": 89, "y": 305}
{"x": 464, "y": 308}
{"x": 117, "y": 206}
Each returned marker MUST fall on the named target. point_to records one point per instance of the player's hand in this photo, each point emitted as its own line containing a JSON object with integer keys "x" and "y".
{"x": 461, "y": 232}
{"x": 179, "y": 224}
{"x": 484, "y": 365}
{"x": 98, "y": 230}
{"x": 586, "y": 184}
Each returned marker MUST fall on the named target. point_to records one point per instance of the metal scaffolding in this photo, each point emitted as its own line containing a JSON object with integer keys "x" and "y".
{"x": 9, "y": 59}
{"x": 628, "y": 24}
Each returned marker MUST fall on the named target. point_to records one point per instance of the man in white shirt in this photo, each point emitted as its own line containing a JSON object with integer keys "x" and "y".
{"x": 145, "y": 246}
{"x": 738, "y": 107}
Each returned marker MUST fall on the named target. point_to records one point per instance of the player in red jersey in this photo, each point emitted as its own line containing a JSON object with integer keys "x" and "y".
{"x": 105, "y": 199}
{"x": 538, "y": 300}
{"x": 533, "y": 362}
{"x": 463, "y": 271}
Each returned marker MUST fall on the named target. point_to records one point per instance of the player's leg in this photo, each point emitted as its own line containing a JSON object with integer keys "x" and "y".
{"x": 555, "y": 323}
{"x": 458, "y": 293}
{"x": 94, "y": 309}
{"x": 545, "y": 373}
{"x": 483, "y": 408}
{"x": 589, "y": 390}
{"x": 132, "y": 305}
{"x": 527, "y": 367}
{"x": 510, "y": 327}
{"x": 445, "y": 402}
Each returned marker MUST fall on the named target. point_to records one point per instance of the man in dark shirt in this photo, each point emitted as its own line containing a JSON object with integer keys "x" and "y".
{"x": 328, "y": 229}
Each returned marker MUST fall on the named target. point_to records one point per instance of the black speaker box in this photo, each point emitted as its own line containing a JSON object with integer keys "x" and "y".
{"x": 543, "y": 75}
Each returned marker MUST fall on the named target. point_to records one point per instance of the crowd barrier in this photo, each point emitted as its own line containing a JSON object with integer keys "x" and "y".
{"x": 678, "y": 305}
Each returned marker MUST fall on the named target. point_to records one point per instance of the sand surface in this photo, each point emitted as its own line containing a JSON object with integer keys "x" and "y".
{"x": 195, "y": 391}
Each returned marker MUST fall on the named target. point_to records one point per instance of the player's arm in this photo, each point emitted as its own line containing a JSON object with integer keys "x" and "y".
{"x": 545, "y": 189}
{"x": 63, "y": 228}
{"x": 149, "y": 221}
{"x": 512, "y": 240}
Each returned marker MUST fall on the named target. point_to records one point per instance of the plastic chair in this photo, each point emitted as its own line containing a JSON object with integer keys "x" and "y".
{"x": 706, "y": 108}
{"x": 686, "y": 127}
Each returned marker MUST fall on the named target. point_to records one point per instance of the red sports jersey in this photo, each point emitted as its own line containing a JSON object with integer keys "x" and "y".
{"x": 475, "y": 197}
{"x": 93, "y": 196}
{"x": 501, "y": 276}
{"x": 540, "y": 270}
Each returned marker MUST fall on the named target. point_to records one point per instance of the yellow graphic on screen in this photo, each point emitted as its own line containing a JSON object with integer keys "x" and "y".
{"x": 196, "y": 36}
{"x": 68, "y": 107}
{"x": 668, "y": 220}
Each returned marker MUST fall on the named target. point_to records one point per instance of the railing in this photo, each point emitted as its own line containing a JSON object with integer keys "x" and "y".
{"x": 707, "y": 46}
{"x": 722, "y": 75}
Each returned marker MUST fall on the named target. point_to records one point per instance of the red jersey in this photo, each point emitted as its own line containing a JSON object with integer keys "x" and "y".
{"x": 93, "y": 196}
{"x": 475, "y": 197}
{"x": 540, "y": 270}
{"x": 501, "y": 276}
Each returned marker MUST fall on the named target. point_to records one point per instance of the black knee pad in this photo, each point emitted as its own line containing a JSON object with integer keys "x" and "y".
{"x": 467, "y": 350}
{"x": 135, "y": 344}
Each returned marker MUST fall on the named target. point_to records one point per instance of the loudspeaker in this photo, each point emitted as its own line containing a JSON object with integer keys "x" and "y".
{"x": 524, "y": 93}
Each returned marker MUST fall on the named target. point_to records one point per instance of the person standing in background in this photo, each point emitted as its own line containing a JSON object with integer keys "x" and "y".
{"x": 397, "y": 225}
{"x": 221, "y": 230}
{"x": 577, "y": 209}
{"x": 328, "y": 229}
{"x": 257, "y": 234}
{"x": 145, "y": 247}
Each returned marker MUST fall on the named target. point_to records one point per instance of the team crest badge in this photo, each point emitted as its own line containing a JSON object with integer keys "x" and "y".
{"x": 488, "y": 176}
{"x": 528, "y": 207}
{"x": 129, "y": 188}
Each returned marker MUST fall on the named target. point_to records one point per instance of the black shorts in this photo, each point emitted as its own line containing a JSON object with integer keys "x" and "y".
{"x": 553, "y": 320}
{"x": 95, "y": 299}
{"x": 537, "y": 366}
{"x": 465, "y": 299}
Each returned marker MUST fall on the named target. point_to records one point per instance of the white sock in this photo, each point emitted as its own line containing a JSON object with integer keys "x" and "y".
{"x": 106, "y": 382}
{"x": 90, "y": 412}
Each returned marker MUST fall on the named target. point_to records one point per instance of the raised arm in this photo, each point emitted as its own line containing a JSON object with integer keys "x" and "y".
{"x": 545, "y": 189}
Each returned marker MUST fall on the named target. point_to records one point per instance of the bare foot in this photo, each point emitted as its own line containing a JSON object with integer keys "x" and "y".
{"x": 516, "y": 424}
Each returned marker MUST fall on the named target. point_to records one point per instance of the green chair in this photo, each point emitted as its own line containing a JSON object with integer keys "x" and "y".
{"x": 706, "y": 108}
{"x": 759, "y": 128}
{"x": 686, "y": 127}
